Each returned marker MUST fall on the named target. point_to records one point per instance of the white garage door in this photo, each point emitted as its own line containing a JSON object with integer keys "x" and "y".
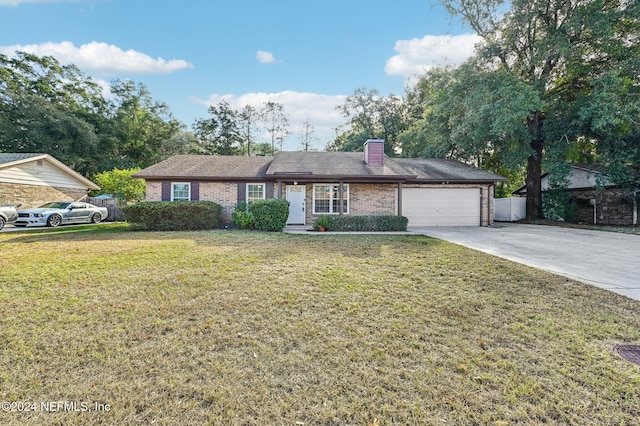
{"x": 441, "y": 206}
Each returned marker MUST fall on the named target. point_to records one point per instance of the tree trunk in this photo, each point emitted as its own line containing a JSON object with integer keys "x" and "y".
{"x": 534, "y": 168}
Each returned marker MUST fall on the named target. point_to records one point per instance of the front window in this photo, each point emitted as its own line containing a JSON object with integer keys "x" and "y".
{"x": 326, "y": 198}
{"x": 255, "y": 192}
{"x": 180, "y": 191}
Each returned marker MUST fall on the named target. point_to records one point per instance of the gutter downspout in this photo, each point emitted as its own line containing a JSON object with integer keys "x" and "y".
{"x": 481, "y": 212}
{"x": 635, "y": 207}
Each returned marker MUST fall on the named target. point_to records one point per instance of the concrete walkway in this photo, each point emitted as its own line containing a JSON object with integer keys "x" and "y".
{"x": 607, "y": 260}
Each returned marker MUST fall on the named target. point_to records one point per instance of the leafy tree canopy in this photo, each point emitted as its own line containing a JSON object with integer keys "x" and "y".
{"x": 121, "y": 184}
{"x": 46, "y": 107}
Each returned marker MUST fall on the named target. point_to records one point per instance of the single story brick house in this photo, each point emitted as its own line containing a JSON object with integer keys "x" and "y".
{"x": 430, "y": 192}
{"x": 32, "y": 179}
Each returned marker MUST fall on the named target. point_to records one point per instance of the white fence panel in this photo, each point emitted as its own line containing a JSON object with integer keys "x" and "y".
{"x": 510, "y": 209}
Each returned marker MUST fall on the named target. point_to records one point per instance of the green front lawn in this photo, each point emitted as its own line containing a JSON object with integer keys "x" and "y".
{"x": 248, "y": 328}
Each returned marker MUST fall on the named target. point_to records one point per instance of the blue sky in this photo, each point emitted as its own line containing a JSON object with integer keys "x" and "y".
{"x": 307, "y": 56}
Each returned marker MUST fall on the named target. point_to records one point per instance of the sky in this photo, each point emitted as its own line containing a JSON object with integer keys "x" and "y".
{"x": 307, "y": 56}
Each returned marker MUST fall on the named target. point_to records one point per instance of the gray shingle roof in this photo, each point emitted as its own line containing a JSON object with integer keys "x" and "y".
{"x": 215, "y": 167}
{"x": 332, "y": 164}
{"x": 10, "y": 157}
{"x": 445, "y": 170}
{"x": 315, "y": 165}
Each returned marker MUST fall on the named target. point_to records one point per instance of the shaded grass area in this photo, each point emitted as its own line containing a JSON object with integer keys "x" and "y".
{"x": 252, "y": 328}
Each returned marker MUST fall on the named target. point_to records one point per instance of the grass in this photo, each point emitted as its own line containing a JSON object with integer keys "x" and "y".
{"x": 245, "y": 328}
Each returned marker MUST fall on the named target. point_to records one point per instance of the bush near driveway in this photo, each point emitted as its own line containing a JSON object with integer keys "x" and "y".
{"x": 174, "y": 215}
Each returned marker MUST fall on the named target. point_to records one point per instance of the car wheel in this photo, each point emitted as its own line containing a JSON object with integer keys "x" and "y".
{"x": 1, "y": 222}
{"x": 54, "y": 220}
{"x": 96, "y": 218}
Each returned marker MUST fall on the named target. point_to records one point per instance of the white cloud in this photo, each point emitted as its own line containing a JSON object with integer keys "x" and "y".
{"x": 416, "y": 56}
{"x": 319, "y": 110}
{"x": 265, "y": 57}
{"x": 100, "y": 57}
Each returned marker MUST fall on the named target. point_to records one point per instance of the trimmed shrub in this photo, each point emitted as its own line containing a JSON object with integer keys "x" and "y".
{"x": 388, "y": 223}
{"x": 242, "y": 217}
{"x": 270, "y": 214}
{"x": 174, "y": 215}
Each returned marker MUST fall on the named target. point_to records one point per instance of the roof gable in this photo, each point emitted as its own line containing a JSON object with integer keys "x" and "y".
{"x": 18, "y": 166}
{"x": 580, "y": 177}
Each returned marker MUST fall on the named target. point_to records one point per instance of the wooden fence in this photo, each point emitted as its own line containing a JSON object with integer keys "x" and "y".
{"x": 115, "y": 213}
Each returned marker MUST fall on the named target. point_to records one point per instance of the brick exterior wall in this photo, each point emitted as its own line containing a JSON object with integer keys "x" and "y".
{"x": 374, "y": 200}
{"x": 364, "y": 199}
{"x": 35, "y": 195}
{"x": 223, "y": 193}
{"x": 613, "y": 206}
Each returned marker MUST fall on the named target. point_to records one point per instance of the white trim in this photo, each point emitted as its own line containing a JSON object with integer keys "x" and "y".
{"x": 264, "y": 191}
{"x": 181, "y": 183}
{"x": 346, "y": 195}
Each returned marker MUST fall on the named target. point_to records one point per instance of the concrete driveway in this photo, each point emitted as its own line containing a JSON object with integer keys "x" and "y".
{"x": 607, "y": 260}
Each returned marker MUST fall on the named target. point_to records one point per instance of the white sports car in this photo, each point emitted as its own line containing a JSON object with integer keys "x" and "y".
{"x": 60, "y": 213}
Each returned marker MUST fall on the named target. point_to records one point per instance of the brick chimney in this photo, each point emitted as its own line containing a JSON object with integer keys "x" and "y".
{"x": 374, "y": 152}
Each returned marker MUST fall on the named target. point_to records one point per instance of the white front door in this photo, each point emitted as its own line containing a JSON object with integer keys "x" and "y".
{"x": 296, "y": 195}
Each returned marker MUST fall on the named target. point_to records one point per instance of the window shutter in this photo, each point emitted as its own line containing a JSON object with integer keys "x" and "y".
{"x": 242, "y": 192}
{"x": 195, "y": 191}
{"x": 268, "y": 190}
{"x": 166, "y": 191}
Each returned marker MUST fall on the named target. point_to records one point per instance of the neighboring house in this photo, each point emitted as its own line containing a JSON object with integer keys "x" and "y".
{"x": 430, "y": 192}
{"x": 35, "y": 179}
{"x": 596, "y": 200}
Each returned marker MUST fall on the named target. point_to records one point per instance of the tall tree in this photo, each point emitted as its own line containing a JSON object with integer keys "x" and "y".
{"x": 141, "y": 125}
{"x": 557, "y": 50}
{"x": 306, "y": 136}
{"x": 276, "y": 123}
{"x": 248, "y": 118}
{"x": 368, "y": 116}
{"x": 49, "y": 108}
{"x": 220, "y": 133}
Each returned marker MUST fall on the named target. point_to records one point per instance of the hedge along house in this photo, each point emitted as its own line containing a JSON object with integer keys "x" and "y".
{"x": 33, "y": 179}
{"x": 429, "y": 192}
